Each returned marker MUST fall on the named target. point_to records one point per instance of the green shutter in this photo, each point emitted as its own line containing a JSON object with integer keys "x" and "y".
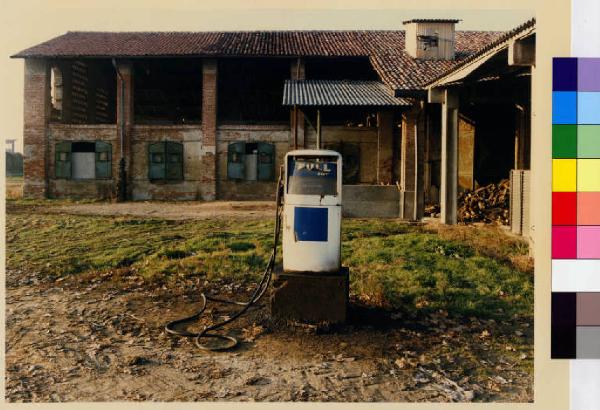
{"x": 236, "y": 153}
{"x": 174, "y": 161}
{"x": 156, "y": 161}
{"x": 266, "y": 161}
{"x": 62, "y": 163}
{"x": 103, "y": 159}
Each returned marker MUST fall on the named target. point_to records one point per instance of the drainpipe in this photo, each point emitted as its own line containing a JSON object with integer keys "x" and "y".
{"x": 122, "y": 178}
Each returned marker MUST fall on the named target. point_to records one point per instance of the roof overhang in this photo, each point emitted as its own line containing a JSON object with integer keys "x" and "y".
{"x": 349, "y": 93}
{"x": 463, "y": 70}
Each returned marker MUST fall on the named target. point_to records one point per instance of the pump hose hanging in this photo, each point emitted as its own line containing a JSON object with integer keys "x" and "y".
{"x": 263, "y": 285}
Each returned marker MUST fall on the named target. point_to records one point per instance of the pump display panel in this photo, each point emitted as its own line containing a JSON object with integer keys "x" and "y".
{"x": 312, "y": 175}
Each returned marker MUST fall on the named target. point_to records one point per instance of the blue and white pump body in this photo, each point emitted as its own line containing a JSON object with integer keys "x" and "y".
{"x": 312, "y": 213}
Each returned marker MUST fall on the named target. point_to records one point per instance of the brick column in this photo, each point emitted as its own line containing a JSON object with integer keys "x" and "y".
{"x": 297, "y": 72}
{"x": 385, "y": 146}
{"x": 126, "y": 70}
{"x": 36, "y": 115}
{"x": 411, "y": 165}
{"x": 208, "y": 178}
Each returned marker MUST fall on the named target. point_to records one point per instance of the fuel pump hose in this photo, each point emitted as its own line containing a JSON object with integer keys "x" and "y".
{"x": 229, "y": 342}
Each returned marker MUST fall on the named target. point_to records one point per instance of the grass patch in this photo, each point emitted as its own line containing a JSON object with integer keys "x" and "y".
{"x": 406, "y": 268}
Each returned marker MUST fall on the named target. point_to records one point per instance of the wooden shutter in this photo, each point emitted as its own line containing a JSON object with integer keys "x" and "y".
{"x": 236, "y": 153}
{"x": 62, "y": 160}
{"x": 174, "y": 160}
{"x": 156, "y": 161}
{"x": 266, "y": 161}
{"x": 103, "y": 159}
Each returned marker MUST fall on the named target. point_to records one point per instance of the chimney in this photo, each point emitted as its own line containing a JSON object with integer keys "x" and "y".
{"x": 430, "y": 39}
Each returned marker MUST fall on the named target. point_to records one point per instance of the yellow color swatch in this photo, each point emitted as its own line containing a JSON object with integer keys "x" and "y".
{"x": 588, "y": 175}
{"x": 564, "y": 175}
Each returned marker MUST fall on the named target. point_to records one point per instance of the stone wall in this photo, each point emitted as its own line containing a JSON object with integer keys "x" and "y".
{"x": 370, "y": 201}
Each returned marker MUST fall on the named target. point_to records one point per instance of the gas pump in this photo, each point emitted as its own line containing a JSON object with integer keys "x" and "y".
{"x": 313, "y": 286}
{"x": 312, "y": 211}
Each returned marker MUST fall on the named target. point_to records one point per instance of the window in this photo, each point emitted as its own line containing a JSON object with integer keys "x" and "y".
{"x": 165, "y": 161}
{"x": 250, "y": 91}
{"x": 312, "y": 176}
{"x": 428, "y": 41}
{"x": 83, "y": 160}
{"x": 168, "y": 91}
{"x": 251, "y": 161}
{"x": 83, "y": 92}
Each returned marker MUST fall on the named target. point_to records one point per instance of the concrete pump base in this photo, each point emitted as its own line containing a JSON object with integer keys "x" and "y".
{"x": 310, "y": 297}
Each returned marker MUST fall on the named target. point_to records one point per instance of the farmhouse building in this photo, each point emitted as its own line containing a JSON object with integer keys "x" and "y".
{"x": 418, "y": 114}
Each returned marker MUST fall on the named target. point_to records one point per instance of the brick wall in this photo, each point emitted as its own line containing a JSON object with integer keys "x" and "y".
{"x": 70, "y": 188}
{"x": 126, "y": 70}
{"x": 366, "y": 138}
{"x": 385, "y": 147}
{"x": 190, "y": 188}
{"x": 35, "y": 120}
{"x": 277, "y": 135}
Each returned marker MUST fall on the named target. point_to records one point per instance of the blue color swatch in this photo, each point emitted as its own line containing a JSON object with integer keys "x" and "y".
{"x": 564, "y": 107}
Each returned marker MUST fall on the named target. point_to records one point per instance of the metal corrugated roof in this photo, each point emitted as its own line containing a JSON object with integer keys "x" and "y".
{"x": 339, "y": 92}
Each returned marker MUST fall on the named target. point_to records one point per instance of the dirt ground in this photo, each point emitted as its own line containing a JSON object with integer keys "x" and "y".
{"x": 92, "y": 338}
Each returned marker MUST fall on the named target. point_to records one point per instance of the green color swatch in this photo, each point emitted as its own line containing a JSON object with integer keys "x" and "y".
{"x": 564, "y": 141}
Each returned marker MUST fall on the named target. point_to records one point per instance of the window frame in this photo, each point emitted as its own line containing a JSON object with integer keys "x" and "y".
{"x": 169, "y": 148}
{"x": 66, "y": 148}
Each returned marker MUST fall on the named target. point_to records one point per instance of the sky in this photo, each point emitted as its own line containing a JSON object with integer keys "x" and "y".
{"x": 25, "y": 23}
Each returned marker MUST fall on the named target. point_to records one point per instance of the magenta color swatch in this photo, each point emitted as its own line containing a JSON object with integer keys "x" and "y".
{"x": 588, "y": 242}
{"x": 588, "y": 74}
{"x": 564, "y": 242}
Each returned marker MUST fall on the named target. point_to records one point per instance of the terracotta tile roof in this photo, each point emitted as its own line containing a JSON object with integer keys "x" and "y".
{"x": 385, "y": 49}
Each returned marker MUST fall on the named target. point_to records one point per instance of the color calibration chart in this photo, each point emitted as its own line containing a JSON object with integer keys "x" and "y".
{"x": 576, "y": 208}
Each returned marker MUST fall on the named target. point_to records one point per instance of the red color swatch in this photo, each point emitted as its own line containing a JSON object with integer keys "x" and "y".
{"x": 564, "y": 208}
{"x": 564, "y": 242}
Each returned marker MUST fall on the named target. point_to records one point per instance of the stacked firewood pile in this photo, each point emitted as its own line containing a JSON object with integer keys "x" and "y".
{"x": 432, "y": 210}
{"x": 489, "y": 204}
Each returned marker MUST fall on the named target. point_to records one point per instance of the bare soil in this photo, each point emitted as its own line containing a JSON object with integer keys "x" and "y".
{"x": 100, "y": 337}
{"x": 92, "y": 341}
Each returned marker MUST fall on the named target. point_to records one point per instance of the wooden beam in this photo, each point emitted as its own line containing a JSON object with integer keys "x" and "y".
{"x": 435, "y": 95}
